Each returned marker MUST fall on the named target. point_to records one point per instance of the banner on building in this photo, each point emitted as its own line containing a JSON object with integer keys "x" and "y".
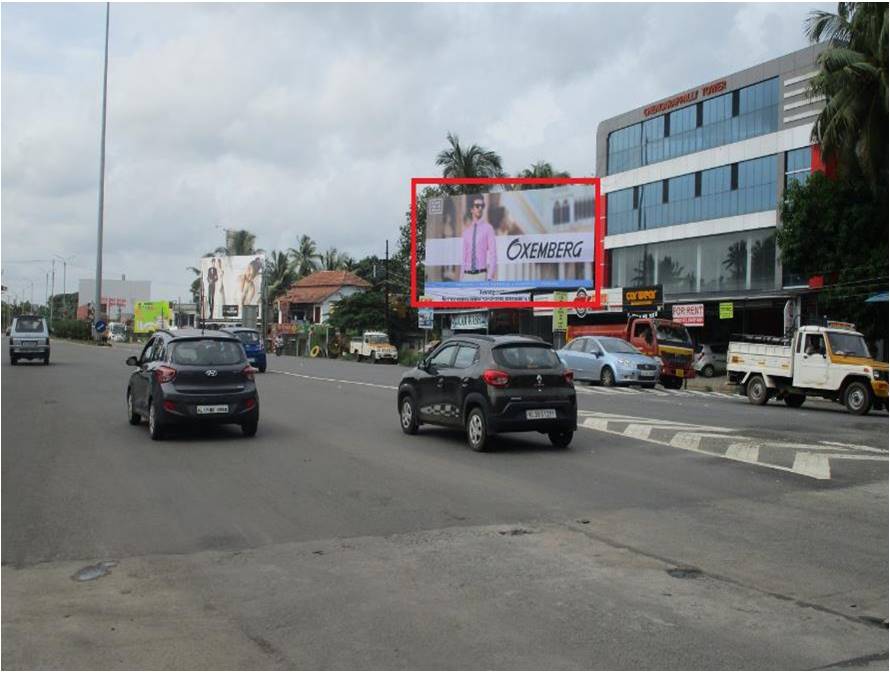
{"x": 149, "y": 316}
{"x": 233, "y": 281}
{"x": 501, "y": 246}
{"x": 691, "y": 315}
{"x": 475, "y": 320}
{"x": 647, "y": 298}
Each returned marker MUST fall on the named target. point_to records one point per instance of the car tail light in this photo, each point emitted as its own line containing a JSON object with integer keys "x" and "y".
{"x": 169, "y": 406}
{"x": 165, "y": 374}
{"x": 568, "y": 375}
{"x": 250, "y": 404}
{"x": 248, "y": 372}
{"x": 496, "y": 378}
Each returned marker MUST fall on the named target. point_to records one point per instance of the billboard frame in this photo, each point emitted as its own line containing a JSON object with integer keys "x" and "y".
{"x": 594, "y": 302}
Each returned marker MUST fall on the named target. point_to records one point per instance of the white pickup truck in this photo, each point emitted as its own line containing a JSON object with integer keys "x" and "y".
{"x": 829, "y": 362}
{"x": 375, "y": 347}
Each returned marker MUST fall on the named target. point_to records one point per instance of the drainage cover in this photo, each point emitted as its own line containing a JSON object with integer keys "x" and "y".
{"x": 684, "y": 572}
{"x": 94, "y": 572}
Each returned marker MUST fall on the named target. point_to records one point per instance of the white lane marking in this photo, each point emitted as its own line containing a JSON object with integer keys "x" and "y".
{"x": 654, "y": 422}
{"x": 321, "y": 378}
{"x": 746, "y": 453}
{"x": 686, "y": 440}
{"x": 638, "y": 431}
{"x": 811, "y": 465}
{"x": 853, "y": 447}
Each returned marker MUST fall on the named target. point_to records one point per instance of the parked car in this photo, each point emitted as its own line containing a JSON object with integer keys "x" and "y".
{"x": 710, "y": 359}
{"x": 28, "y": 339}
{"x": 253, "y": 345}
{"x": 490, "y": 384}
{"x": 192, "y": 376}
{"x": 610, "y": 361}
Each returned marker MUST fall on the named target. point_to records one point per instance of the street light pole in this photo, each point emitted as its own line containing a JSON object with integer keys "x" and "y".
{"x": 98, "y": 298}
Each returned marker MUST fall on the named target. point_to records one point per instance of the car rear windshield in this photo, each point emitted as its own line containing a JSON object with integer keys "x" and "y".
{"x": 29, "y": 325}
{"x": 248, "y": 337}
{"x": 529, "y": 356}
{"x": 206, "y": 352}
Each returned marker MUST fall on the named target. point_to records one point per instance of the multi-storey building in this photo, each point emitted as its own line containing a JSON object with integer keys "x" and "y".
{"x": 692, "y": 186}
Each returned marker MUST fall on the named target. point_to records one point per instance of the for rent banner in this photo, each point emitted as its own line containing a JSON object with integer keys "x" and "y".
{"x": 504, "y": 245}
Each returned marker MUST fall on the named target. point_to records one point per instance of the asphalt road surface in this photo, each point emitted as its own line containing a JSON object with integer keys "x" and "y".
{"x": 681, "y": 529}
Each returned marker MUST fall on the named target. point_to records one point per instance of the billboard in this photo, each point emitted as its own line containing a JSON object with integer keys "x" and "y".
{"x": 504, "y": 247}
{"x": 230, "y": 283}
{"x": 151, "y": 315}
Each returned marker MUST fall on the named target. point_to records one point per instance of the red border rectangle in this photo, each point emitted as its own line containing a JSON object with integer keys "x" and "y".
{"x": 593, "y": 303}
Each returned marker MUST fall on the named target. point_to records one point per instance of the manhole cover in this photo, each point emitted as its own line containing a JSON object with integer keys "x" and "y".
{"x": 684, "y": 572}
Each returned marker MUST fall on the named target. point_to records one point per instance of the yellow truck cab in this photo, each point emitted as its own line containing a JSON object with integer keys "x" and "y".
{"x": 830, "y": 361}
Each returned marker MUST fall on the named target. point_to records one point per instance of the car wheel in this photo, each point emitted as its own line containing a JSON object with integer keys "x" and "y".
{"x": 708, "y": 371}
{"x": 795, "y": 401}
{"x": 672, "y": 383}
{"x": 408, "y": 415}
{"x": 477, "y": 434}
{"x": 561, "y": 439}
{"x": 46, "y": 360}
{"x": 249, "y": 429}
{"x": 262, "y": 369}
{"x": 857, "y": 398}
{"x": 607, "y": 377}
{"x": 132, "y": 415}
{"x": 373, "y": 357}
{"x": 758, "y": 393}
{"x": 155, "y": 428}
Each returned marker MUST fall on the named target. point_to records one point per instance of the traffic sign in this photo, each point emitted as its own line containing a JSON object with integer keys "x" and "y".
{"x": 100, "y": 326}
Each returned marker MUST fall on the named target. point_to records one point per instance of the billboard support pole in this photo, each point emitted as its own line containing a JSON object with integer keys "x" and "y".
{"x": 386, "y": 291}
{"x": 98, "y": 312}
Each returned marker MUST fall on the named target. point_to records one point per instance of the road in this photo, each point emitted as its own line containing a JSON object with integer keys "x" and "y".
{"x": 680, "y": 530}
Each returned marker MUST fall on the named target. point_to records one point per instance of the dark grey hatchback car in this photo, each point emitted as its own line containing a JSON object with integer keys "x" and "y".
{"x": 491, "y": 384}
{"x": 192, "y": 376}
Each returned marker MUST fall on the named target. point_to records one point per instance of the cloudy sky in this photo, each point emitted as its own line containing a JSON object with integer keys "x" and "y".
{"x": 290, "y": 119}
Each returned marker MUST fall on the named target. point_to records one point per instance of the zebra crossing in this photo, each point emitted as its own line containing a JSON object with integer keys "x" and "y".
{"x": 585, "y": 389}
{"x": 813, "y": 459}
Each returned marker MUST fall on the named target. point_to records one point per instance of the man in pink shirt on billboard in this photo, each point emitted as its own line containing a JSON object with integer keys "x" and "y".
{"x": 479, "y": 248}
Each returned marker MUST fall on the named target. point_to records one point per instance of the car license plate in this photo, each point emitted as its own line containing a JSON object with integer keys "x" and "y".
{"x": 29, "y": 343}
{"x": 534, "y": 414}
{"x": 213, "y": 409}
{"x": 679, "y": 372}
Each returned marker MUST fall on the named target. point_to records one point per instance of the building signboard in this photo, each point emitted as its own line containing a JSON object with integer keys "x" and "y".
{"x": 641, "y": 298}
{"x": 691, "y": 315}
{"x": 150, "y": 316}
{"x": 425, "y": 318}
{"x": 500, "y": 246}
{"x": 725, "y": 310}
{"x": 475, "y": 320}
{"x": 230, "y": 281}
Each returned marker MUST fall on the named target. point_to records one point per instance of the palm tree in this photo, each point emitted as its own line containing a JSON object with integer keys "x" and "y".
{"x": 238, "y": 242}
{"x": 279, "y": 273}
{"x": 852, "y": 126}
{"x": 468, "y": 162}
{"x": 305, "y": 257}
{"x": 332, "y": 260}
{"x": 540, "y": 169}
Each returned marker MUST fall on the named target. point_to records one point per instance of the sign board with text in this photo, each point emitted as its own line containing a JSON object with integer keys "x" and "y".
{"x": 425, "y": 318}
{"x": 641, "y": 298}
{"x": 691, "y": 315}
{"x": 725, "y": 310}
{"x": 560, "y": 315}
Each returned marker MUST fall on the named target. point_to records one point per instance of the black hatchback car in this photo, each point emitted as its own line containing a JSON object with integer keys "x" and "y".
{"x": 192, "y": 376}
{"x": 491, "y": 384}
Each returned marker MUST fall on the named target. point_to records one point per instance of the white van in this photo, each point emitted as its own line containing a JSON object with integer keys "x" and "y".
{"x": 28, "y": 339}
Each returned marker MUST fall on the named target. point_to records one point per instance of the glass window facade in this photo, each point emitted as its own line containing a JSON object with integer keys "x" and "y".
{"x": 695, "y": 197}
{"x": 701, "y": 126}
{"x": 725, "y": 263}
{"x": 798, "y": 165}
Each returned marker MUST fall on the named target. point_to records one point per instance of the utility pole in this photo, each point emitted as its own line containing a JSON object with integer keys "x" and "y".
{"x": 52, "y": 294}
{"x": 98, "y": 304}
{"x": 386, "y": 290}
{"x": 46, "y": 302}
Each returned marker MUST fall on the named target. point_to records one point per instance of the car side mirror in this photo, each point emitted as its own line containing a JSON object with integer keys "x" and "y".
{"x": 133, "y": 361}
{"x": 597, "y": 354}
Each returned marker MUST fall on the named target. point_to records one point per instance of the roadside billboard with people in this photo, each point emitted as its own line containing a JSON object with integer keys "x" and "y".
{"x": 503, "y": 245}
{"x": 230, "y": 283}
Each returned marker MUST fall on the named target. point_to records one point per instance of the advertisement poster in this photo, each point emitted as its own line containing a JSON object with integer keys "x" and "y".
{"x": 149, "y": 316}
{"x": 230, "y": 283}
{"x": 504, "y": 245}
{"x": 691, "y": 315}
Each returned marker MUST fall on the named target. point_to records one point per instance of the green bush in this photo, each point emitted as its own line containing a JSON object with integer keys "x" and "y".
{"x": 72, "y": 329}
{"x": 409, "y": 357}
